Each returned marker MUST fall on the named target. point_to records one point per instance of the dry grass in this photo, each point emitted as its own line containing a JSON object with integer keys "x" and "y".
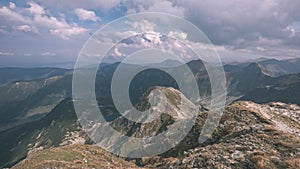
{"x": 288, "y": 144}
{"x": 294, "y": 163}
{"x": 74, "y": 156}
{"x": 263, "y": 135}
{"x": 260, "y": 162}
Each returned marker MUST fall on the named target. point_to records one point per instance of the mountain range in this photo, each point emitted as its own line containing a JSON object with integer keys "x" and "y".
{"x": 37, "y": 114}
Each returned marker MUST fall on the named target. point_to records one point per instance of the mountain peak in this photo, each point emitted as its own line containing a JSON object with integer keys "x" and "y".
{"x": 256, "y": 69}
{"x": 253, "y": 67}
{"x": 165, "y": 105}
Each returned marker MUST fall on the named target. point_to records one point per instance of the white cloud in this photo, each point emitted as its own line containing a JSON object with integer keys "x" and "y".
{"x": 6, "y": 54}
{"x": 39, "y": 18}
{"x": 84, "y": 15}
{"x": 12, "y": 5}
{"x": 24, "y": 28}
{"x": 50, "y": 22}
{"x": 27, "y": 28}
{"x": 232, "y": 23}
{"x": 153, "y": 37}
{"x": 117, "y": 53}
{"x": 67, "y": 33}
{"x": 35, "y": 8}
{"x": 59, "y": 27}
{"x": 179, "y": 35}
{"x": 143, "y": 25}
{"x": 8, "y": 14}
{"x": 48, "y": 54}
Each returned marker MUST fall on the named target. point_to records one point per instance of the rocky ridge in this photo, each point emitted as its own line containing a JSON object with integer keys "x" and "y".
{"x": 249, "y": 135}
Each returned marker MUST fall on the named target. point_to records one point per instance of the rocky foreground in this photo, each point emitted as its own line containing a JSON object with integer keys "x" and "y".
{"x": 249, "y": 136}
{"x": 73, "y": 156}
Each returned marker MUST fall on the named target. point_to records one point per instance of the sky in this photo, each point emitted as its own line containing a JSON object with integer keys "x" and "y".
{"x": 52, "y": 33}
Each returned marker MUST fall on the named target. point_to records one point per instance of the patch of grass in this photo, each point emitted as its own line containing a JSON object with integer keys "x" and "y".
{"x": 74, "y": 156}
{"x": 59, "y": 155}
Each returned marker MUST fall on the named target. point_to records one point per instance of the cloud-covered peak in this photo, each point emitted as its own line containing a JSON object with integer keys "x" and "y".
{"x": 239, "y": 30}
{"x": 176, "y": 47}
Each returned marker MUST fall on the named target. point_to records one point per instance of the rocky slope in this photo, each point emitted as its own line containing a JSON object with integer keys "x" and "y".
{"x": 166, "y": 112}
{"x": 249, "y": 135}
{"x": 281, "y": 67}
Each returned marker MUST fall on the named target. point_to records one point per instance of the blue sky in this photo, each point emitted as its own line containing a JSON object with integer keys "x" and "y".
{"x": 52, "y": 32}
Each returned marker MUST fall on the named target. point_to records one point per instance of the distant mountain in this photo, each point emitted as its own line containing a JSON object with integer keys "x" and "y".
{"x": 255, "y": 83}
{"x": 24, "y": 101}
{"x": 275, "y": 67}
{"x": 30, "y": 100}
{"x": 166, "y": 63}
{"x": 39, "y": 112}
{"x": 281, "y": 67}
{"x": 284, "y": 89}
{"x": 248, "y": 78}
{"x": 25, "y": 74}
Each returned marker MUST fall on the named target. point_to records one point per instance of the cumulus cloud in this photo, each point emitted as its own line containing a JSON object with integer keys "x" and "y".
{"x": 8, "y": 14}
{"x": 117, "y": 53}
{"x": 85, "y": 15}
{"x": 248, "y": 28}
{"x": 233, "y": 23}
{"x": 227, "y": 23}
{"x": 230, "y": 22}
{"x": 143, "y": 25}
{"x": 27, "y": 28}
{"x": 35, "y": 8}
{"x": 40, "y": 18}
{"x": 66, "y": 33}
{"x": 179, "y": 35}
{"x": 12, "y": 5}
